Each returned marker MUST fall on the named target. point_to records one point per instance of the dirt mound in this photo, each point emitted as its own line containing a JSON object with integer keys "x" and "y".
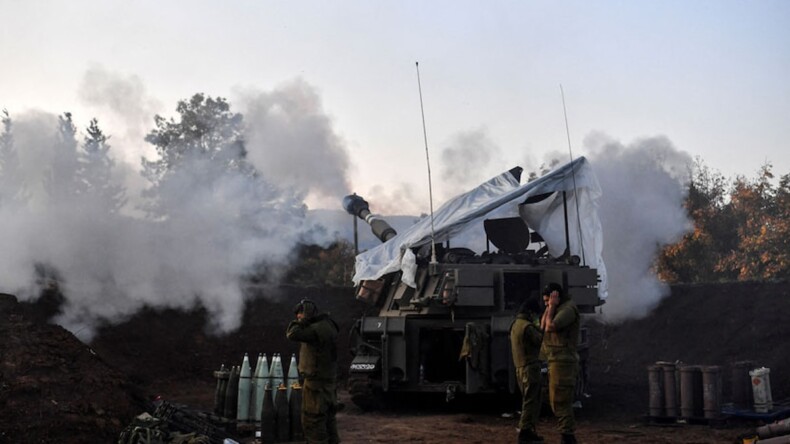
{"x": 54, "y": 388}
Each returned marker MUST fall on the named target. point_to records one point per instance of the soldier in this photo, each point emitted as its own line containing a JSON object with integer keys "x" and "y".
{"x": 561, "y": 337}
{"x": 317, "y": 333}
{"x": 525, "y": 339}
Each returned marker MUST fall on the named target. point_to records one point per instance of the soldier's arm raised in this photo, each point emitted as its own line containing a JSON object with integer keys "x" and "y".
{"x": 554, "y": 301}
{"x": 544, "y": 319}
{"x": 301, "y": 331}
{"x": 564, "y": 317}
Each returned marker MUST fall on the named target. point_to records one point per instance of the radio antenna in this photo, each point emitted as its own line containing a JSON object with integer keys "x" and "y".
{"x": 573, "y": 174}
{"x": 428, "y": 161}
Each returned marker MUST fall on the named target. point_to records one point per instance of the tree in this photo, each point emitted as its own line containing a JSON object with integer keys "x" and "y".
{"x": 12, "y": 182}
{"x": 319, "y": 266}
{"x": 201, "y": 177}
{"x": 695, "y": 257}
{"x": 95, "y": 171}
{"x": 763, "y": 250}
{"x": 203, "y": 146}
{"x": 741, "y": 230}
{"x": 206, "y": 128}
{"x": 61, "y": 183}
{"x": 779, "y": 233}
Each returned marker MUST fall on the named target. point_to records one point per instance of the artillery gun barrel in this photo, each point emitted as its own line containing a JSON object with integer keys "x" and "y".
{"x": 357, "y": 206}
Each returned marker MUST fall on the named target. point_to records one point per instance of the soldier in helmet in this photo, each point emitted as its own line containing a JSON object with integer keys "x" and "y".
{"x": 525, "y": 339}
{"x": 317, "y": 333}
{"x": 560, "y": 339}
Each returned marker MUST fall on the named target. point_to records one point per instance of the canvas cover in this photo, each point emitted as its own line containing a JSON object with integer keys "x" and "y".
{"x": 504, "y": 196}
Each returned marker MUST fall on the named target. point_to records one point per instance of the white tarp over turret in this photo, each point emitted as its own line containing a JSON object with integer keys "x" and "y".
{"x": 504, "y": 195}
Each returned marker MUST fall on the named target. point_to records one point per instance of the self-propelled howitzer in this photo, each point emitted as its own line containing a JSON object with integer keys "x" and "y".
{"x": 449, "y": 332}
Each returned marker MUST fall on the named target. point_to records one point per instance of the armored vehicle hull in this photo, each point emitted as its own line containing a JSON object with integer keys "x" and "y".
{"x": 442, "y": 323}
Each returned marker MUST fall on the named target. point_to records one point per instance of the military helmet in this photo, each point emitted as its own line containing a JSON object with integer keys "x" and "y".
{"x": 307, "y": 307}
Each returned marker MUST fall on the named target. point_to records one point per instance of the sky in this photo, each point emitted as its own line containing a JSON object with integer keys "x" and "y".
{"x": 332, "y": 105}
{"x": 709, "y": 75}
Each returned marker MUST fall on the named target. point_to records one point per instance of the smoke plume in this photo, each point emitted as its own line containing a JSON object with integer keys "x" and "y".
{"x": 125, "y": 111}
{"x": 38, "y": 130}
{"x": 644, "y": 185}
{"x": 398, "y": 200}
{"x": 291, "y": 141}
{"x": 125, "y": 108}
{"x": 467, "y": 161}
{"x": 218, "y": 225}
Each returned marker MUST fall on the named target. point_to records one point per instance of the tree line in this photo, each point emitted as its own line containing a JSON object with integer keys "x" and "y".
{"x": 205, "y": 141}
{"x": 201, "y": 154}
{"x": 741, "y": 226}
{"x": 80, "y": 169}
{"x": 741, "y": 229}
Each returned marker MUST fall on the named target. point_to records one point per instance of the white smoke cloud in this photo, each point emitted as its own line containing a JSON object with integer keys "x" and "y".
{"x": 125, "y": 108}
{"x": 644, "y": 185}
{"x": 290, "y": 139}
{"x": 110, "y": 266}
{"x": 467, "y": 161}
{"x": 35, "y": 136}
{"x": 126, "y": 113}
{"x": 219, "y": 227}
{"x": 399, "y": 199}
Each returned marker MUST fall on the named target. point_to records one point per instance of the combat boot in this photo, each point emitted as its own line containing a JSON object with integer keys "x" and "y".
{"x": 568, "y": 438}
{"x": 528, "y": 436}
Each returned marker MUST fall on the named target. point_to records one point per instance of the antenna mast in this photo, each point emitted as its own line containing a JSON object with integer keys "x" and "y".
{"x": 428, "y": 161}
{"x": 573, "y": 174}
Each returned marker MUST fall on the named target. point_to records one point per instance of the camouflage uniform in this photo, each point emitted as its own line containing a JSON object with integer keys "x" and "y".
{"x": 318, "y": 368}
{"x": 560, "y": 348}
{"x": 525, "y": 343}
